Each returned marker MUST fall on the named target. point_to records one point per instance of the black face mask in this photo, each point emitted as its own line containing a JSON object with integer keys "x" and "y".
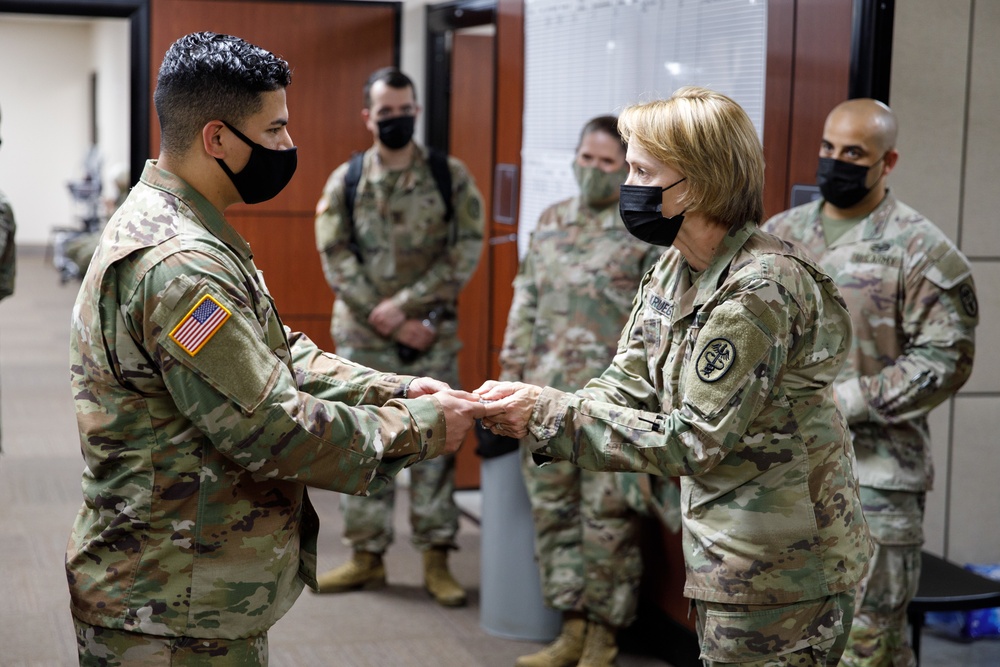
{"x": 266, "y": 173}
{"x": 842, "y": 183}
{"x": 641, "y": 209}
{"x": 394, "y": 133}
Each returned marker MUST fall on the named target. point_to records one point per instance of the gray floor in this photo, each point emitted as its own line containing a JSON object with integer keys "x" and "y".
{"x": 39, "y": 495}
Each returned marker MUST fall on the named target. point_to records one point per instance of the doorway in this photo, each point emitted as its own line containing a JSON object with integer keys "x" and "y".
{"x": 461, "y": 119}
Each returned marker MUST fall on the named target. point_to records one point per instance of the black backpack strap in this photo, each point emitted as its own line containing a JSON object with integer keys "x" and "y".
{"x": 442, "y": 177}
{"x": 351, "y": 180}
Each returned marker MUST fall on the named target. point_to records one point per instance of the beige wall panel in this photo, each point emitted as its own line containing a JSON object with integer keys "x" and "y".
{"x": 974, "y": 527}
{"x": 986, "y": 370}
{"x": 980, "y": 236}
{"x": 930, "y": 53}
{"x": 935, "y": 517}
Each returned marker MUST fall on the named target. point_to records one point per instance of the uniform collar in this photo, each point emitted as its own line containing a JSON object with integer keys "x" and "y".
{"x": 601, "y": 218}
{"x": 206, "y": 214}
{"x": 870, "y": 228}
{"x": 708, "y": 281}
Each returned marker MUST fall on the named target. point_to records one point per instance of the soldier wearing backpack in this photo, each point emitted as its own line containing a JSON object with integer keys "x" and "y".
{"x": 399, "y": 229}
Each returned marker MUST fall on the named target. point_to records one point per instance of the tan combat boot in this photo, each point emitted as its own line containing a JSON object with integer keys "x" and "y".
{"x": 600, "y": 647}
{"x": 565, "y": 651}
{"x": 364, "y": 571}
{"x": 438, "y": 580}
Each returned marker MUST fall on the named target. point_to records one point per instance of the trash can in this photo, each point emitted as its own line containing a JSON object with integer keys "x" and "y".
{"x": 511, "y": 594}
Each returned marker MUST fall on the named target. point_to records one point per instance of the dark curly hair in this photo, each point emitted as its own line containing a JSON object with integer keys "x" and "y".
{"x": 206, "y": 76}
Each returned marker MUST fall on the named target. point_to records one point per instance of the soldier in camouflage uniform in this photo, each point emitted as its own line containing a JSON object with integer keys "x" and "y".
{"x": 202, "y": 418}
{"x": 397, "y": 266}
{"x": 724, "y": 376}
{"x": 573, "y": 291}
{"x": 8, "y": 259}
{"x": 913, "y": 303}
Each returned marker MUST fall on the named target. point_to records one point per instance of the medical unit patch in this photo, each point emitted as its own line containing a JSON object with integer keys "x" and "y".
{"x": 716, "y": 359}
{"x": 199, "y": 325}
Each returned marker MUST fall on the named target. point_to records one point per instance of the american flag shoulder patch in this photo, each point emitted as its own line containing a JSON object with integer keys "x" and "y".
{"x": 200, "y": 324}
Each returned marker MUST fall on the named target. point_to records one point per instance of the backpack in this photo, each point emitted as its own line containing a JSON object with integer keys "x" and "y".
{"x": 438, "y": 163}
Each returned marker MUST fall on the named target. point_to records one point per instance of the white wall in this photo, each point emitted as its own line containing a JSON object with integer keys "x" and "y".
{"x": 111, "y": 55}
{"x": 44, "y": 96}
{"x": 946, "y": 93}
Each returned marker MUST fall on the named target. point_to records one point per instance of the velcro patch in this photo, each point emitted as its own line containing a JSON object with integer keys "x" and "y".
{"x": 735, "y": 346}
{"x": 200, "y": 324}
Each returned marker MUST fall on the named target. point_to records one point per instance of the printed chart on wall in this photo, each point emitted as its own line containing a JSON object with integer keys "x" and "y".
{"x": 584, "y": 58}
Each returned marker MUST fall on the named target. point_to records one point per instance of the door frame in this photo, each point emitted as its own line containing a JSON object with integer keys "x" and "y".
{"x": 137, "y": 13}
{"x": 441, "y": 21}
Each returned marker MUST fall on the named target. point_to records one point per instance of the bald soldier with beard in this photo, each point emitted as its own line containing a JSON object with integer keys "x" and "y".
{"x": 913, "y": 305}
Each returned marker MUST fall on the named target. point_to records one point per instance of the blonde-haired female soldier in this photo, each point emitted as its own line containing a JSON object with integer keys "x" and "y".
{"x": 723, "y": 377}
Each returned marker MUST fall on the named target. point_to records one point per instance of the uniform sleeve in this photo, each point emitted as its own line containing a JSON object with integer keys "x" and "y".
{"x": 520, "y": 319}
{"x": 344, "y": 273}
{"x": 330, "y": 377}
{"x": 940, "y": 313}
{"x": 446, "y": 278}
{"x": 222, "y": 375}
{"x": 615, "y": 423}
{"x": 8, "y": 256}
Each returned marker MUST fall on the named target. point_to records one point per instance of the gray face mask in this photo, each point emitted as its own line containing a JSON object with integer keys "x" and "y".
{"x": 598, "y": 188}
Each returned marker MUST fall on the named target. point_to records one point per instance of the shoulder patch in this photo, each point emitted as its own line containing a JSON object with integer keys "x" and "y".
{"x": 715, "y": 360}
{"x": 200, "y": 324}
{"x": 969, "y": 301}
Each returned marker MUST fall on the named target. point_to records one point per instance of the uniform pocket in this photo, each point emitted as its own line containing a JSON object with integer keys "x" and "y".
{"x": 755, "y": 634}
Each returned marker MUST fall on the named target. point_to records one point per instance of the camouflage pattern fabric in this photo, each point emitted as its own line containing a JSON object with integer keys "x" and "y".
{"x": 725, "y": 378}
{"x": 81, "y": 248}
{"x": 572, "y": 294}
{"x": 368, "y": 522}
{"x": 880, "y": 634}
{"x": 104, "y": 647}
{"x": 8, "y": 258}
{"x": 806, "y": 634}
{"x": 411, "y": 254}
{"x": 202, "y": 418}
{"x": 913, "y": 303}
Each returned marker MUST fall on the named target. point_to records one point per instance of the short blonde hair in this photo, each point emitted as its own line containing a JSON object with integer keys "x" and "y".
{"x": 710, "y": 140}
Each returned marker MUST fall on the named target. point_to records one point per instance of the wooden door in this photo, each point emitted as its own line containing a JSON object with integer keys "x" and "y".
{"x": 470, "y": 139}
{"x": 808, "y": 73}
{"x": 332, "y": 48}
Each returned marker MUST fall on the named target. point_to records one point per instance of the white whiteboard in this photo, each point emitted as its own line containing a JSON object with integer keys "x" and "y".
{"x": 584, "y": 58}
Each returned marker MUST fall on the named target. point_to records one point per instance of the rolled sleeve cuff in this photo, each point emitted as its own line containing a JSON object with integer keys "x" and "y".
{"x": 852, "y": 401}
{"x": 549, "y": 413}
{"x": 428, "y": 419}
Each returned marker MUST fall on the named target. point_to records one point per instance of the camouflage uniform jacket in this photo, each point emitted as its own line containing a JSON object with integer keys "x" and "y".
{"x": 913, "y": 302}
{"x": 195, "y": 520}
{"x": 725, "y": 379}
{"x": 410, "y": 252}
{"x": 8, "y": 259}
{"x": 573, "y": 291}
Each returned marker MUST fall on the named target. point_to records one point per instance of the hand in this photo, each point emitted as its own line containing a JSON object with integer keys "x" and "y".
{"x": 494, "y": 390}
{"x": 426, "y": 386}
{"x": 461, "y": 410}
{"x": 414, "y": 334}
{"x": 386, "y": 317}
{"x": 510, "y": 406}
